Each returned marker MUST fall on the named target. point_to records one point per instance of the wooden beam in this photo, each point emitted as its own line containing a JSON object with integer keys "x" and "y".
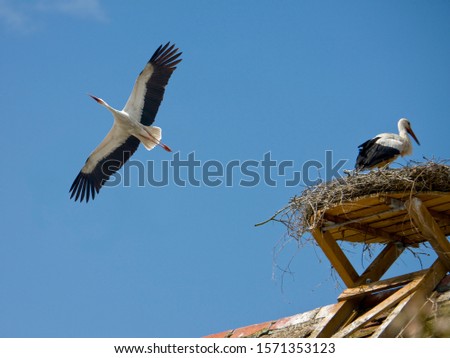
{"x": 412, "y": 308}
{"x": 381, "y": 285}
{"x": 382, "y": 263}
{"x": 417, "y": 316}
{"x": 430, "y": 229}
{"x": 337, "y": 317}
{"x": 389, "y": 320}
{"x": 337, "y": 258}
{"x": 433, "y": 272}
{"x": 441, "y": 217}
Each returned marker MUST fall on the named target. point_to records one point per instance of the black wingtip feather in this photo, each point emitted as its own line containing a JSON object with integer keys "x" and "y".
{"x": 165, "y": 56}
{"x": 82, "y": 188}
{"x": 83, "y": 192}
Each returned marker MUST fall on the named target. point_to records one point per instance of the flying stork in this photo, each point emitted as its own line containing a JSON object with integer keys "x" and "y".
{"x": 132, "y": 125}
{"x": 383, "y": 149}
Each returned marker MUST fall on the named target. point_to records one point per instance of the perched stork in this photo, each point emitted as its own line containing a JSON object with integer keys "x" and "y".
{"x": 132, "y": 125}
{"x": 383, "y": 149}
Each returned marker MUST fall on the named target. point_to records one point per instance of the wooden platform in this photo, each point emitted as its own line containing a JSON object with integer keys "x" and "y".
{"x": 383, "y": 218}
{"x": 395, "y": 220}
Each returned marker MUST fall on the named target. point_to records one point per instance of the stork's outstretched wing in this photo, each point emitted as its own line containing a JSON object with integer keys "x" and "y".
{"x": 148, "y": 90}
{"x": 111, "y": 154}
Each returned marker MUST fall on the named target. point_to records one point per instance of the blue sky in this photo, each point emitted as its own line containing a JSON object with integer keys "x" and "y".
{"x": 291, "y": 78}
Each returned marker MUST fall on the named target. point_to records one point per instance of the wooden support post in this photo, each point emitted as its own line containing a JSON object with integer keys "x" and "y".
{"x": 337, "y": 258}
{"x": 382, "y": 263}
{"x": 430, "y": 229}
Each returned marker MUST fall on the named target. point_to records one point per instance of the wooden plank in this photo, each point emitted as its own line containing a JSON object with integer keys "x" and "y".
{"x": 368, "y": 202}
{"x": 418, "y": 314}
{"x": 381, "y": 212}
{"x": 390, "y": 320}
{"x": 349, "y": 235}
{"x": 381, "y": 285}
{"x": 372, "y": 201}
{"x": 355, "y": 204}
{"x": 395, "y": 298}
{"x": 363, "y": 228}
{"x": 397, "y": 230}
{"x": 441, "y": 217}
{"x": 409, "y": 233}
{"x": 382, "y": 218}
{"x": 407, "y": 311}
{"x": 365, "y": 211}
{"x": 388, "y": 223}
{"x": 337, "y": 258}
{"x": 394, "y": 214}
{"x": 405, "y": 229}
{"x": 423, "y": 195}
{"x": 408, "y": 319}
{"x": 434, "y": 200}
{"x": 444, "y": 208}
{"x": 342, "y": 233}
{"x": 415, "y": 235}
{"x": 430, "y": 229}
{"x": 337, "y": 317}
{"x": 381, "y": 263}
{"x": 394, "y": 225}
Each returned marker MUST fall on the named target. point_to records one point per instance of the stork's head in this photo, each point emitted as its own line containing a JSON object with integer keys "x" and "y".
{"x": 405, "y": 124}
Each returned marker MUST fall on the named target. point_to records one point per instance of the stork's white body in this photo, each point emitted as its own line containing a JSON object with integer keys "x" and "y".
{"x": 124, "y": 126}
{"x": 385, "y": 148}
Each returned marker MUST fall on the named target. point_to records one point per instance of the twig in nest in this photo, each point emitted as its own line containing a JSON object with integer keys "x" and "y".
{"x": 272, "y": 218}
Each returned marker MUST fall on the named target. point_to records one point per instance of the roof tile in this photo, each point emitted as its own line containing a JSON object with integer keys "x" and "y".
{"x": 296, "y": 319}
{"x": 251, "y": 330}
{"x": 224, "y": 334}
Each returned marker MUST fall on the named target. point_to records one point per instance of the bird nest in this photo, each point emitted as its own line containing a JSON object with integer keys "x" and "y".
{"x": 306, "y": 210}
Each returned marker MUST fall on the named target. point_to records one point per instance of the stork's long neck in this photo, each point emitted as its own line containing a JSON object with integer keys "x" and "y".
{"x": 104, "y": 104}
{"x": 403, "y": 133}
{"x": 407, "y": 145}
{"x": 108, "y": 107}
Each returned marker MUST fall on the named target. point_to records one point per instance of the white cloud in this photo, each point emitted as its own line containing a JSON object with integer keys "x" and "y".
{"x": 14, "y": 18}
{"x": 89, "y": 9}
{"x": 24, "y": 18}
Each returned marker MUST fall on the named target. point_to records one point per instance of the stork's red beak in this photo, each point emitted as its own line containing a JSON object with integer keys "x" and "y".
{"x": 410, "y": 131}
{"x": 96, "y": 99}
